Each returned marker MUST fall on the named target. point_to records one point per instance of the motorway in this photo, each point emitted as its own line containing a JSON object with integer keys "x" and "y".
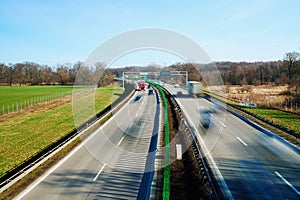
{"x": 246, "y": 163}
{"x": 108, "y": 164}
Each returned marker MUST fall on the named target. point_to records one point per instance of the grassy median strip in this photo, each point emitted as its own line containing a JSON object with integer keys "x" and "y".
{"x": 167, "y": 169}
{"x": 25, "y": 134}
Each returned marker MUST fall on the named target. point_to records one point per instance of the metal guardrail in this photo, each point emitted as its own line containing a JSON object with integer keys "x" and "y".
{"x": 20, "y": 169}
{"x": 290, "y": 132}
{"x": 263, "y": 130}
{"x": 268, "y": 133}
{"x": 202, "y": 162}
{"x": 167, "y": 169}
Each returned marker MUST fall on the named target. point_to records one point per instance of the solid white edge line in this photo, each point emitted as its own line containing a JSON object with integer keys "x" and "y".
{"x": 121, "y": 140}
{"x": 100, "y": 171}
{"x": 244, "y": 143}
{"x": 51, "y": 170}
{"x": 222, "y": 124}
{"x": 39, "y": 180}
{"x": 212, "y": 161}
{"x": 288, "y": 183}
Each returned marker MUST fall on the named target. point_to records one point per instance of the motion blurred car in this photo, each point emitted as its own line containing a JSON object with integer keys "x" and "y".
{"x": 176, "y": 85}
{"x": 179, "y": 93}
{"x": 150, "y": 91}
{"x": 205, "y": 118}
{"x": 247, "y": 104}
{"x": 252, "y": 105}
{"x": 138, "y": 97}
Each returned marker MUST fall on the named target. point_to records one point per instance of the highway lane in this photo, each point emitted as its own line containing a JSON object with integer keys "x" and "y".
{"x": 246, "y": 162}
{"x": 108, "y": 164}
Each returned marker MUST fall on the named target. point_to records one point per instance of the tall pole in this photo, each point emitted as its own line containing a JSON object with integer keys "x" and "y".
{"x": 123, "y": 81}
{"x": 186, "y": 78}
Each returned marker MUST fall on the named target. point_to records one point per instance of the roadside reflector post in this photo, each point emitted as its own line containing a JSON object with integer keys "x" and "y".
{"x": 179, "y": 151}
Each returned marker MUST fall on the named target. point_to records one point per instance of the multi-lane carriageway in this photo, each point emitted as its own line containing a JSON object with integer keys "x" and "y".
{"x": 107, "y": 165}
{"x": 245, "y": 163}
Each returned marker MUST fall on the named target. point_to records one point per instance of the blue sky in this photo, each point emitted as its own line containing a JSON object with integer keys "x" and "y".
{"x": 52, "y": 32}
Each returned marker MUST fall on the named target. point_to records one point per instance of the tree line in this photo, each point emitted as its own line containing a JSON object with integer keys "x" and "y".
{"x": 29, "y": 73}
{"x": 281, "y": 72}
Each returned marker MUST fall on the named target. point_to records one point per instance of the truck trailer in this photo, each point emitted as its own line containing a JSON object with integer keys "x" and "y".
{"x": 195, "y": 88}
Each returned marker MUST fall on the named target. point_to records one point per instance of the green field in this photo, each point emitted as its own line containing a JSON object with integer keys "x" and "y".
{"x": 25, "y": 134}
{"x": 285, "y": 119}
{"x": 20, "y": 97}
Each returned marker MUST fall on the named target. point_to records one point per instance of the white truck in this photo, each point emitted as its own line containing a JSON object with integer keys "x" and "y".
{"x": 194, "y": 87}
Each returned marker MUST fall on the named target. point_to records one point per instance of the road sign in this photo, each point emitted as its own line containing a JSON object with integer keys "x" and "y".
{"x": 165, "y": 73}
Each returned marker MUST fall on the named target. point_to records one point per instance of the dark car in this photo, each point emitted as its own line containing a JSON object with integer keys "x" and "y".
{"x": 179, "y": 93}
{"x": 138, "y": 98}
{"x": 205, "y": 117}
{"x": 150, "y": 91}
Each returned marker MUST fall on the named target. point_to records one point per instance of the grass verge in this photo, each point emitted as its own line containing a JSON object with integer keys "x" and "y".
{"x": 37, "y": 172}
{"x": 27, "y": 133}
{"x": 19, "y": 186}
{"x": 273, "y": 129}
{"x": 288, "y": 120}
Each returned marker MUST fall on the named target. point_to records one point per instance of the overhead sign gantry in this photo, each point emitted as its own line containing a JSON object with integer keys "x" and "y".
{"x": 155, "y": 74}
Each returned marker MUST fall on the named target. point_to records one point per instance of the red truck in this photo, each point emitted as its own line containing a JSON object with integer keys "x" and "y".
{"x": 141, "y": 85}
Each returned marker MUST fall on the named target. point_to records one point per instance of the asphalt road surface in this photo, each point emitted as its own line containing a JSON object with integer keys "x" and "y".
{"x": 247, "y": 163}
{"x": 109, "y": 164}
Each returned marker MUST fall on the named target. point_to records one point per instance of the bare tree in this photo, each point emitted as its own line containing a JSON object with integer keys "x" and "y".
{"x": 102, "y": 75}
{"x": 291, "y": 63}
{"x": 5, "y": 74}
{"x": 18, "y": 74}
{"x": 32, "y": 74}
{"x": 63, "y": 75}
